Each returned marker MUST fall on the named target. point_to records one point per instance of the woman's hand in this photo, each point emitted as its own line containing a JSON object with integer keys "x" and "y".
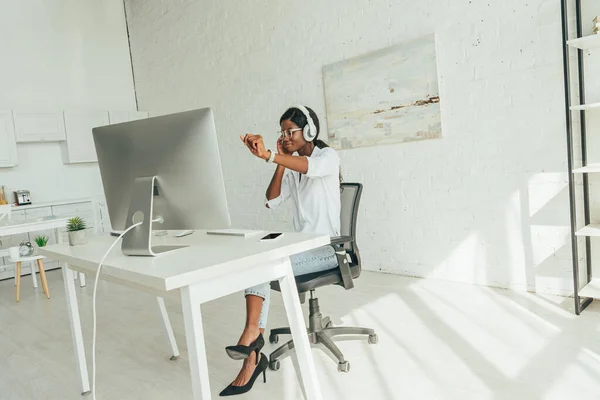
{"x": 256, "y": 145}
{"x": 281, "y": 149}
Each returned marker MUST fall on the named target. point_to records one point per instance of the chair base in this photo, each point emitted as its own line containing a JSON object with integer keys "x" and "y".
{"x": 322, "y": 331}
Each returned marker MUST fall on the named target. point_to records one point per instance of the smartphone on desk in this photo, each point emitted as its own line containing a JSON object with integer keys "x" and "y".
{"x": 271, "y": 236}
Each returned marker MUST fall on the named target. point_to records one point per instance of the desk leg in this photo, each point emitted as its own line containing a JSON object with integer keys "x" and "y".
{"x": 194, "y": 335}
{"x": 75, "y": 324}
{"x": 82, "y": 279}
{"x": 168, "y": 328}
{"x": 293, "y": 309}
{"x": 59, "y": 240}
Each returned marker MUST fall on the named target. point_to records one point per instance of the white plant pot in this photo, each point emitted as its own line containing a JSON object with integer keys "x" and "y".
{"x": 77, "y": 238}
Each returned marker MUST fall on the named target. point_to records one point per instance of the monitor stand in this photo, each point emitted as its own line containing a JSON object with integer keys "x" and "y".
{"x": 138, "y": 241}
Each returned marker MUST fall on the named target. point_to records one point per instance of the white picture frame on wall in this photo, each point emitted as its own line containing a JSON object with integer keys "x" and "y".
{"x": 46, "y": 126}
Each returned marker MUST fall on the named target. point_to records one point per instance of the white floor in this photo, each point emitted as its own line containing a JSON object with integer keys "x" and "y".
{"x": 437, "y": 340}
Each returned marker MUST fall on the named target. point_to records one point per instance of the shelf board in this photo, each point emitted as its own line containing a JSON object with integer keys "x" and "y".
{"x": 586, "y": 42}
{"x": 585, "y": 107}
{"x": 592, "y": 289}
{"x": 589, "y": 230}
{"x": 590, "y": 168}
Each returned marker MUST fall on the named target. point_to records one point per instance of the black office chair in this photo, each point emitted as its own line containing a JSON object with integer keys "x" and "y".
{"x": 320, "y": 328}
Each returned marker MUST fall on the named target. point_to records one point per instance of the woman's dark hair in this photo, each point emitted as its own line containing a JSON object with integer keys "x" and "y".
{"x": 297, "y": 116}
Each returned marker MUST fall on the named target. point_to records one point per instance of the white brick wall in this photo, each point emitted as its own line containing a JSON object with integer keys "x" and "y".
{"x": 487, "y": 204}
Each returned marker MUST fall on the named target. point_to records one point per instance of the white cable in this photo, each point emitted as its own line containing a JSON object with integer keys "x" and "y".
{"x": 94, "y": 302}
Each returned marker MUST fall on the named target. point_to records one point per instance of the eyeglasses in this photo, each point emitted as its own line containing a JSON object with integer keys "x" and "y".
{"x": 288, "y": 133}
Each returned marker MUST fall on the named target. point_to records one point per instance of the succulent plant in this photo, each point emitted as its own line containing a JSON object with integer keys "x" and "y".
{"x": 76, "y": 224}
{"x": 41, "y": 240}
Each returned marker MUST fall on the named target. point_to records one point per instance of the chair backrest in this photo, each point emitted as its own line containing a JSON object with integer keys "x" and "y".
{"x": 351, "y": 193}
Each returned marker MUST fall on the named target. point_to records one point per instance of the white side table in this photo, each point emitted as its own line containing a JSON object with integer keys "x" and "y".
{"x": 40, "y": 263}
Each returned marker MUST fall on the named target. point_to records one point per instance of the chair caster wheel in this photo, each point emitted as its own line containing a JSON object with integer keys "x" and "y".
{"x": 274, "y": 365}
{"x": 274, "y": 339}
{"x": 344, "y": 367}
{"x": 373, "y": 339}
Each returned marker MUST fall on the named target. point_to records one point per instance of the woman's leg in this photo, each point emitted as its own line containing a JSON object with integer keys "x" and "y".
{"x": 316, "y": 260}
{"x": 257, "y": 306}
{"x": 258, "y": 299}
{"x": 254, "y": 306}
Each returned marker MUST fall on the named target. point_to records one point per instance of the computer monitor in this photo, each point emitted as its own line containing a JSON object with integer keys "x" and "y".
{"x": 166, "y": 167}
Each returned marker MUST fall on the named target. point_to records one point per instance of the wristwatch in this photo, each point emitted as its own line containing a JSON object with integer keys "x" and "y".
{"x": 271, "y": 157}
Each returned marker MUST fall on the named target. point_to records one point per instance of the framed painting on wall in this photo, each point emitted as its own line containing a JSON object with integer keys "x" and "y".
{"x": 384, "y": 97}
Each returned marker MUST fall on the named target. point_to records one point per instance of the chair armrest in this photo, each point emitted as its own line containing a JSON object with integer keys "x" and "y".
{"x": 342, "y": 260}
{"x": 344, "y": 269}
{"x": 337, "y": 240}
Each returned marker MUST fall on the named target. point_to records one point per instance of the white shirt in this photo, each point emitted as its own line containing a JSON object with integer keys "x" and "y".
{"x": 316, "y": 195}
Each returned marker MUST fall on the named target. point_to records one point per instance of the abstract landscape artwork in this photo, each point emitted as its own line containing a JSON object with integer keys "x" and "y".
{"x": 384, "y": 97}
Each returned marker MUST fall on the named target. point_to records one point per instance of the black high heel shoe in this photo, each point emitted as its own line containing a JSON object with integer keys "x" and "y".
{"x": 241, "y": 352}
{"x": 261, "y": 367}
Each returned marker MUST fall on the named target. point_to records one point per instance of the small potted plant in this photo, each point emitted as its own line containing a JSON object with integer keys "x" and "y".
{"x": 76, "y": 227}
{"x": 41, "y": 241}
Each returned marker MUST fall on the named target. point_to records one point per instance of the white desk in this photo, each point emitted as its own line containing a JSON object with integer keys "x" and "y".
{"x": 213, "y": 266}
{"x": 17, "y": 227}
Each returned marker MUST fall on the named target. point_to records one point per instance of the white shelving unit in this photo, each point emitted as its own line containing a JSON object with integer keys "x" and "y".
{"x": 588, "y": 169}
{"x": 575, "y": 71}
{"x": 585, "y": 107}
{"x": 591, "y": 290}
{"x": 586, "y": 42}
{"x": 79, "y": 146}
{"x": 73, "y": 129}
{"x": 39, "y": 126}
{"x": 592, "y": 230}
{"x": 93, "y": 211}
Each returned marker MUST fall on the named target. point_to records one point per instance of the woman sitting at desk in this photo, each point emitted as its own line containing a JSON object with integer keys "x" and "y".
{"x": 312, "y": 180}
